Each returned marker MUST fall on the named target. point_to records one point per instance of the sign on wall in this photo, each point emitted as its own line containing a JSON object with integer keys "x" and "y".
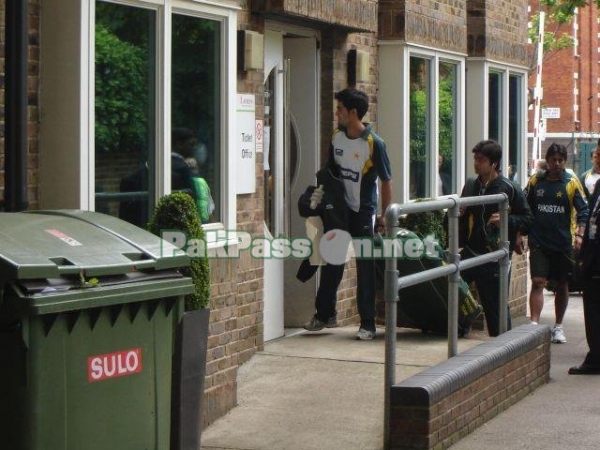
{"x": 550, "y": 113}
{"x": 246, "y": 148}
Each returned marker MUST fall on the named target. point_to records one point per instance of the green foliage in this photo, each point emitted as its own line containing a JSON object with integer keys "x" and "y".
{"x": 194, "y": 78}
{"x": 553, "y": 40}
{"x": 177, "y": 211}
{"x": 446, "y": 109}
{"x": 419, "y": 106}
{"x": 425, "y": 223}
{"x": 418, "y": 126}
{"x": 563, "y": 10}
{"x": 558, "y": 12}
{"x": 121, "y": 97}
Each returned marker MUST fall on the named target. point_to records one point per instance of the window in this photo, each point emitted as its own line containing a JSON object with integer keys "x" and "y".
{"x": 163, "y": 92}
{"x": 495, "y": 107}
{"x": 515, "y": 128}
{"x": 196, "y": 110}
{"x": 506, "y": 123}
{"x": 434, "y": 105}
{"x": 420, "y": 145}
{"x": 125, "y": 128}
{"x": 448, "y": 127}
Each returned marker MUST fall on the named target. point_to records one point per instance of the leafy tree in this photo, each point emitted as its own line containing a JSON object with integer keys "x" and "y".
{"x": 558, "y": 13}
{"x": 121, "y": 93}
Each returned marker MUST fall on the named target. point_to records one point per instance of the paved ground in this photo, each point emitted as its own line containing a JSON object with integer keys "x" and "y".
{"x": 324, "y": 391}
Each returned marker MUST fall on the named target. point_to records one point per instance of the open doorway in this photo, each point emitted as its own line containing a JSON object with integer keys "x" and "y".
{"x": 291, "y": 120}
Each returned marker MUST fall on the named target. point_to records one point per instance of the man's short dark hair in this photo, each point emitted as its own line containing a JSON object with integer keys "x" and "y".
{"x": 354, "y": 99}
{"x": 555, "y": 149}
{"x": 491, "y": 150}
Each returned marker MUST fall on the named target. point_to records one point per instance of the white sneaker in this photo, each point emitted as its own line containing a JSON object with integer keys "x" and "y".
{"x": 365, "y": 335}
{"x": 558, "y": 335}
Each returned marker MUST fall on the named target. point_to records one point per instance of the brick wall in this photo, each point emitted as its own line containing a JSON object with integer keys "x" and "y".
{"x": 498, "y": 30}
{"x": 355, "y": 14}
{"x": 517, "y": 292}
{"x": 236, "y": 324}
{"x": 570, "y": 81}
{"x": 436, "y": 24}
{"x": 32, "y": 99}
{"x": 435, "y": 408}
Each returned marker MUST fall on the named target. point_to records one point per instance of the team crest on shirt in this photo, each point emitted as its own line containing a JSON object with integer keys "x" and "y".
{"x": 559, "y": 194}
{"x": 356, "y": 155}
{"x": 339, "y": 151}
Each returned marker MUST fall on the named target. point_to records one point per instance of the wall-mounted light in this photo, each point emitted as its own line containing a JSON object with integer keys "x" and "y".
{"x": 358, "y": 66}
{"x": 250, "y": 50}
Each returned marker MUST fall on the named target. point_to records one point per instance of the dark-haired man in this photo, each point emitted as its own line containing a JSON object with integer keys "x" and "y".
{"x": 590, "y": 268}
{"x": 589, "y": 178}
{"x": 359, "y": 157}
{"x": 480, "y": 227}
{"x": 554, "y": 195}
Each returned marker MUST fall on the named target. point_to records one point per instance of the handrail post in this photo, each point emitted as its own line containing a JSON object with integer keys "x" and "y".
{"x": 391, "y": 312}
{"x": 454, "y": 279}
{"x": 504, "y": 266}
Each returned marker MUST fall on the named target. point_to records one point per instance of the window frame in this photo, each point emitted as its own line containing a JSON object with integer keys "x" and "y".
{"x": 225, "y": 12}
{"x": 435, "y": 58}
{"x": 506, "y": 72}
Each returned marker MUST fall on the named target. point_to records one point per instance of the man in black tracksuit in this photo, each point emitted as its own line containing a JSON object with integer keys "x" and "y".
{"x": 479, "y": 227}
{"x": 590, "y": 271}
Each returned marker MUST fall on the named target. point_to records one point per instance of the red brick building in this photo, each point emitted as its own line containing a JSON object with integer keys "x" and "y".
{"x": 570, "y": 88}
{"x": 184, "y": 65}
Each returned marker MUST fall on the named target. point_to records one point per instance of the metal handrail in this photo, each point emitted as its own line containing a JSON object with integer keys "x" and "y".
{"x": 393, "y": 282}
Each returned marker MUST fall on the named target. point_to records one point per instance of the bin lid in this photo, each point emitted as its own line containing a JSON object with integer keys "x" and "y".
{"x": 49, "y": 244}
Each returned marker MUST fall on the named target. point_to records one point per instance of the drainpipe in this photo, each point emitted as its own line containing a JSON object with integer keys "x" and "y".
{"x": 15, "y": 139}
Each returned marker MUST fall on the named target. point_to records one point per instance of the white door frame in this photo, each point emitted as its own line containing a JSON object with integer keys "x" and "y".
{"x": 278, "y": 273}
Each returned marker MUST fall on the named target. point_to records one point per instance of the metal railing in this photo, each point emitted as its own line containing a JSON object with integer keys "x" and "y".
{"x": 393, "y": 283}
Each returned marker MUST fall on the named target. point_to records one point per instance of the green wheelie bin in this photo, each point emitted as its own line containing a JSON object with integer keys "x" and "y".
{"x": 89, "y": 306}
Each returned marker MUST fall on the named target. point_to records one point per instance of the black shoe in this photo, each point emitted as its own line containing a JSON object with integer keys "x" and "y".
{"x": 584, "y": 369}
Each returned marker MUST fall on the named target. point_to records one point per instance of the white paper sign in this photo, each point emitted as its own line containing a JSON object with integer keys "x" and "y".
{"x": 550, "y": 113}
{"x": 246, "y": 171}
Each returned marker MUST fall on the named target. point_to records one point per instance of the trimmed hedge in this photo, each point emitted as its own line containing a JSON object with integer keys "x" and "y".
{"x": 177, "y": 211}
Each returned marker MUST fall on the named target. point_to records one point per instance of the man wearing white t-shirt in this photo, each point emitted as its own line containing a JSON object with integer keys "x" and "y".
{"x": 589, "y": 178}
{"x": 360, "y": 159}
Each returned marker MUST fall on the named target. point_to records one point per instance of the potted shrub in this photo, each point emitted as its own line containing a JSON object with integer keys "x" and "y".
{"x": 178, "y": 211}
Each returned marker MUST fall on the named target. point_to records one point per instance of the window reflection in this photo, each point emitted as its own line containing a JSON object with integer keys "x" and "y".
{"x": 195, "y": 112}
{"x": 419, "y": 127}
{"x": 495, "y": 107}
{"x": 447, "y": 109}
{"x": 124, "y": 101}
{"x": 125, "y": 112}
{"x": 514, "y": 126}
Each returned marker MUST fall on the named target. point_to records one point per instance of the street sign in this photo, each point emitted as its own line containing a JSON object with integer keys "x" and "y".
{"x": 550, "y": 113}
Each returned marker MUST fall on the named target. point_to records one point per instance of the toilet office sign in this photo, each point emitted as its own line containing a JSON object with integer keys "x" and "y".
{"x": 246, "y": 120}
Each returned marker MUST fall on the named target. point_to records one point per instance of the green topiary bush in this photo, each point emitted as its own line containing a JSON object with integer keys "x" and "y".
{"x": 177, "y": 211}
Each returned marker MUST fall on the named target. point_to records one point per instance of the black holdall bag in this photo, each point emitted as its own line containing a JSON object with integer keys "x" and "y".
{"x": 425, "y": 305}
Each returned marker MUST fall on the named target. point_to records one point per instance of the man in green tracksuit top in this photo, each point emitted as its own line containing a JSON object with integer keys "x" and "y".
{"x": 553, "y": 196}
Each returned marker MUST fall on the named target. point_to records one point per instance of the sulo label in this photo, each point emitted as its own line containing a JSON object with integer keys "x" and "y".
{"x": 112, "y": 365}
